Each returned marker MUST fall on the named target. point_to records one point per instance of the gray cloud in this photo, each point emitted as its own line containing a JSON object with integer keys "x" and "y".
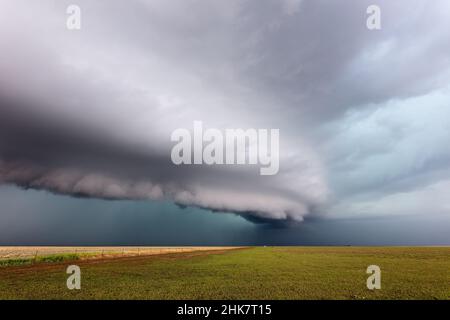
{"x": 54, "y": 156}
{"x": 90, "y": 112}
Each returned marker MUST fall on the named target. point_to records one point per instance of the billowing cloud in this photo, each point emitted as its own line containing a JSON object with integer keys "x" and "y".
{"x": 90, "y": 112}
{"x": 87, "y": 117}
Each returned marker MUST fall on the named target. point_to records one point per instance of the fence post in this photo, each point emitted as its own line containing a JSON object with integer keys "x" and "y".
{"x": 35, "y": 256}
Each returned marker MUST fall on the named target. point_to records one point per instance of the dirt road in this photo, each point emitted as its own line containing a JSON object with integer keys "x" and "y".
{"x": 95, "y": 252}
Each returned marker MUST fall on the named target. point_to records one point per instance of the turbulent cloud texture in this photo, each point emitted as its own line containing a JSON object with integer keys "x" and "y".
{"x": 362, "y": 114}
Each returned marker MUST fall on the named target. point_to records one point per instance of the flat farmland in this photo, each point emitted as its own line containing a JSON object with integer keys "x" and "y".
{"x": 241, "y": 273}
{"x": 31, "y": 252}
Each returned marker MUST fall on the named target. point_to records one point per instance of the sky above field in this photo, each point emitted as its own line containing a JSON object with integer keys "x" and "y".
{"x": 86, "y": 118}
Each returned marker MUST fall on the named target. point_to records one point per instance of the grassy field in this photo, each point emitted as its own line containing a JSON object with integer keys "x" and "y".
{"x": 249, "y": 273}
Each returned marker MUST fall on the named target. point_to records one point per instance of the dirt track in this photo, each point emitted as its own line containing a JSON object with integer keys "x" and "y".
{"x": 96, "y": 252}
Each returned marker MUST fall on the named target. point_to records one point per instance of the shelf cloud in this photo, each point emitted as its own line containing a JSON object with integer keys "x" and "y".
{"x": 361, "y": 114}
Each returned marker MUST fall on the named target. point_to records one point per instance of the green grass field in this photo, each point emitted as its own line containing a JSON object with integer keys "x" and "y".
{"x": 250, "y": 273}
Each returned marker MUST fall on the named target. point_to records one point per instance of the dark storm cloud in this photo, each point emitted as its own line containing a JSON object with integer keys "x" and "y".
{"x": 64, "y": 159}
{"x": 90, "y": 112}
{"x": 39, "y": 218}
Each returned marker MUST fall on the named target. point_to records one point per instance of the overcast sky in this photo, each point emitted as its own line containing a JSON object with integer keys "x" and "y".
{"x": 86, "y": 118}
